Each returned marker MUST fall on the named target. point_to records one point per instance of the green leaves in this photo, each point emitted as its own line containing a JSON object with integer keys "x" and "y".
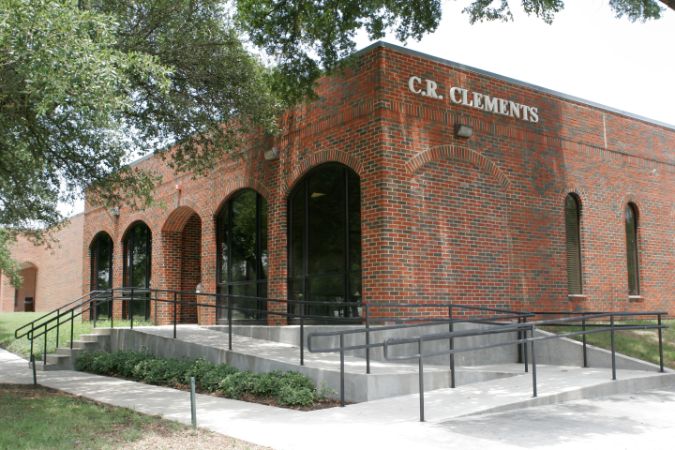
{"x": 306, "y": 36}
{"x": 86, "y": 84}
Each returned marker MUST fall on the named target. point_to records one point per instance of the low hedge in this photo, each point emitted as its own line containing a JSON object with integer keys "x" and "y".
{"x": 284, "y": 388}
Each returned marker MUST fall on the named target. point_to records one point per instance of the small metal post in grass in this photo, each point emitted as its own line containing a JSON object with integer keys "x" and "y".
{"x": 193, "y": 403}
{"x": 32, "y": 363}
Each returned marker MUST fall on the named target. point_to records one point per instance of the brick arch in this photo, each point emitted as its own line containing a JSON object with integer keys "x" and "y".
{"x": 91, "y": 236}
{"x": 582, "y": 196}
{"x": 28, "y": 265}
{"x": 99, "y": 233}
{"x": 316, "y": 159}
{"x": 458, "y": 153}
{"x": 237, "y": 184}
{"x": 132, "y": 224}
{"x": 178, "y": 218}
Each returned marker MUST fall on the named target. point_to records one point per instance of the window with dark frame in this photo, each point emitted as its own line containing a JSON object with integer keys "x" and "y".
{"x": 324, "y": 242}
{"x": 137, "y": 268}
{"x": 101, "y": 262}
{"x": 632, "y": 250}
{"x": 573, "y": 244}
{"x": 242, "y": 256}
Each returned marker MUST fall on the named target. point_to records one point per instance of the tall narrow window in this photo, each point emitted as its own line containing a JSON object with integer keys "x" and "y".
{"x": 324, "y": 249}
{"x": 137, "y": 268}
{"x": 100, "y": 256}
{"x": 242, "y": 256}
{"x": 573, "y": 244}
{"x": 632, "y": 250}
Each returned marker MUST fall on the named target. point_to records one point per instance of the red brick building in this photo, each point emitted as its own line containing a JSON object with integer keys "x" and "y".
{"x": 51, "y": 276}
{"x": 374, "y": 192}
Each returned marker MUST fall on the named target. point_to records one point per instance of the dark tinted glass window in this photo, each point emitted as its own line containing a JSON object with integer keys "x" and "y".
{"x": 573, "y": 244}
{"x": 632, "y": 250}
{"x": 137, "y": 267}
{"x": 242, "y": 255}
{"x": 325, "y": 240}
{"x": 101, "y": 252}
{"x": 100, "y": 256}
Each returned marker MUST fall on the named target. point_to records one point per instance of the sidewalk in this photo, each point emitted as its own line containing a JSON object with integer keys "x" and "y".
{"x": 623, "y": 421}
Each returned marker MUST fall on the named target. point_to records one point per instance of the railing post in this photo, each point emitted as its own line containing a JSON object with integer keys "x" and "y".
{"x": 534, "y": 363}
{"x": 342, "y": 369}
{"x": 525, "y": 344}
{"x": 229, "y": 321}
{"x": 583, "y": 328}
{"x": 112, "y": 307}
{"x": 520, "y": 344}
{"x": 302, "y": 333}
{"x": 451, "y": 342}
{"x": 72, "y": 326}
{"x": 31, "y": 343}
{"x": 131, "y": 309}
{"x": 421, "y": 378}
{"x": 611, "y": 331}
{"x": 58, "y": 325}
{"x": 367, "y": 313}
{"x": 175, "y": 312}
{"x": 660, "y": 344}
{"x": 44, "y": 351}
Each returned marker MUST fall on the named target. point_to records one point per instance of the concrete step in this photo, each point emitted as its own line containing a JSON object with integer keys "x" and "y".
{"x": 93, "y": 337}
{"x": 86, "y": 345}
{"x": 102, "y": 331}
{"x": 56, "y": 361}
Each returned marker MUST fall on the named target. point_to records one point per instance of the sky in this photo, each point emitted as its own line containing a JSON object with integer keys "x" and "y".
{"x": 587, "y": 53}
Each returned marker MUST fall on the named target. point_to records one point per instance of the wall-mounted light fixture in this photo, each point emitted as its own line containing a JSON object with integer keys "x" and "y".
{"x": 463, "y": 131}
{"x": 115, "y": 211}
{"x": 272, "y": 154}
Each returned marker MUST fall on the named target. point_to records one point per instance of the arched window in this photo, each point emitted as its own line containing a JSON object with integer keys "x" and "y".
{"x": 324, "y": 234}
{"x": 632, "y": 249}
{"x": 242, "y": 255}
{"x": 137, "y": 267}
{"x": 101, "y": 267}
{"x": 573, "y": 244}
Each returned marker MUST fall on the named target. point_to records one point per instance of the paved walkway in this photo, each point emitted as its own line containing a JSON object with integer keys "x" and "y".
{"x": 622, "y": 420}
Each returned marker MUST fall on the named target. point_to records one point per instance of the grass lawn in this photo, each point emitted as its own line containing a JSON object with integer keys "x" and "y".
{"x": 638, "y": 344}
{"x": 41, "y": 418}
{"x": 11, "y": 321}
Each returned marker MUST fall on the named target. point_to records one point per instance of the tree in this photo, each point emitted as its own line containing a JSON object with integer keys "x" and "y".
{"x": 84, "y": 84}
{"x": 308, "y": 36}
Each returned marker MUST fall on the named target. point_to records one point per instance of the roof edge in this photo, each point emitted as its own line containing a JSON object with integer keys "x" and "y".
{"x": 562, "y": 95}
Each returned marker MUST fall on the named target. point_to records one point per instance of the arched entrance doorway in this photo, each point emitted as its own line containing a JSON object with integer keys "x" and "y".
{"x": 324, "y": 240}
{"x": 25, "y": 296}
{"x": 182, "y": 248}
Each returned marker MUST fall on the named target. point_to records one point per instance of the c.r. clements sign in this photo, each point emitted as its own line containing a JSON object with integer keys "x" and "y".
{"x": 487, "y": 103}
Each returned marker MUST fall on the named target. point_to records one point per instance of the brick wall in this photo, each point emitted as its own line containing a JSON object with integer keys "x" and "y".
{"x": 58, "y": 273}
{"x": 477, "y": 220}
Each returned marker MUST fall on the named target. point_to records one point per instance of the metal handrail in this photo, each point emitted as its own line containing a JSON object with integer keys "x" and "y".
{"x": 531, "y": 327}
{"x": 16, "y": 332}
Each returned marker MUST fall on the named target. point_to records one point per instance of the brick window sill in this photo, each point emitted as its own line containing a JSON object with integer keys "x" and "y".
{"x": 577, "y": 297}
{"x": 636, "y": 298}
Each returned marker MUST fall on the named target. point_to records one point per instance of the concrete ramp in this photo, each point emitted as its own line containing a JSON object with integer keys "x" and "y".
{"x": 258, "y": 355}
{"x": 486, "y": 388}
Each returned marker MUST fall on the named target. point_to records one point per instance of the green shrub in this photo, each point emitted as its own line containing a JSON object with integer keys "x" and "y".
{"x": 287, "y": 388}
{"x": 290, "y": 396}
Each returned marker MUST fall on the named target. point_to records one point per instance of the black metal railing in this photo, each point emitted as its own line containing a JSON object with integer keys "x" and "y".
{"x": 522, "y": 329}
{"x": 498, "y": 321}
{"x": 498, "y": 318}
